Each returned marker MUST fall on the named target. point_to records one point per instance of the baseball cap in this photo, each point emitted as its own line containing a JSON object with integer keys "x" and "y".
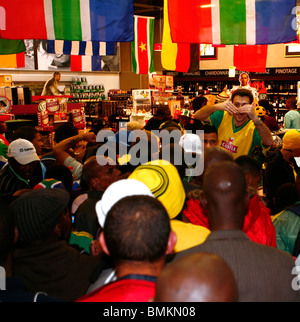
{"x": 291, "y": 140}
{"x": 23, "y": 151}
{"x": 117, "y": 191}
{"x": 191, "y": 143}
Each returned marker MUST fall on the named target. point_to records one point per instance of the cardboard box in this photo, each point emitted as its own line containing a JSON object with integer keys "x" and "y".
{"x": 2, "y": 91}
{"x": 9, "y": 84}
{"x": 60, "y": 117}
{"x": 21, "y": 100}
{"x": 43, "y": 119}
{"x": 47, "y": 134}
{"x": 52, "y": 105}
{"x": 5, "y": 78}
{"x": 8, "y": 93}
{"x": 78, "y": 118}
{"x": 14, "y": 93}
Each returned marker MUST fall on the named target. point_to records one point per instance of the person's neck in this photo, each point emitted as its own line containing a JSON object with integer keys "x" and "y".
{"x": 226, "y": 218}
{"x": 141, "y": 268}
{"x": 238, "y": 124}
{"x": 225, "y": 226}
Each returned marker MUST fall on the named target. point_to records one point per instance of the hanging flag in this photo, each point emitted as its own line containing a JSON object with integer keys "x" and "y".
{"x": 177, "y": 56}
{"x": 232, "y": 22}
{"x": 12, "y": 61}
{"x": 250, "y": 58}
{"x": 82, "y": 20}
{"x": 11, "y": 46}
{"x": 85, "y": 63}
{"x": 86, "y": 48}
{"x": 142, "y": 45}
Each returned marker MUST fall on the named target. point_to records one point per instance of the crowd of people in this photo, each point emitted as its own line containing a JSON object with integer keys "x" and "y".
{"x": 181, "y": 210}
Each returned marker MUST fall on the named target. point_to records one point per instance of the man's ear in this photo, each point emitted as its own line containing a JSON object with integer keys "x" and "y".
{"x": 103, "y": 243}
{"x": 246, "y": 200}
{"x": 94, "y": 183}
{"x": 16, "y": 235}
{"x": 203, "y": 200}
{"x": 171, "y": 242}
{"x": 57, "y": 230}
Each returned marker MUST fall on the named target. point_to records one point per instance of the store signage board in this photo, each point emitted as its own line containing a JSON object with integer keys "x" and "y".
{"x": 287, "y": 71}
{"x": 208, "y": 52}
{"x": 292, "y": 50}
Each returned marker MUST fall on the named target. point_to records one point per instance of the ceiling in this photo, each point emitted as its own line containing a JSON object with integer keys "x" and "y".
{"x": 151, "y": 8}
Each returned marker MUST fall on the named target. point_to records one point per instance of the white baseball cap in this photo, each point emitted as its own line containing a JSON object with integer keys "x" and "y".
{"x": 191, "y": 143}
{"x": 117, "y": 191}
{"x": 23, "y": 151}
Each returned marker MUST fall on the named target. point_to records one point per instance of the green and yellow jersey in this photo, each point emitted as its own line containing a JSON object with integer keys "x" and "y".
{"x": 237, "y": 140}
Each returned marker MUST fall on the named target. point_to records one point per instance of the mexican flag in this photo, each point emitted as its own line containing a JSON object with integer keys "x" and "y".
{"x": 142, "y": 45}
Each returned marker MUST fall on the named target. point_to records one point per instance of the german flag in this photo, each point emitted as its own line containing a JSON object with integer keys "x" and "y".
{"x": 177, "y": 56}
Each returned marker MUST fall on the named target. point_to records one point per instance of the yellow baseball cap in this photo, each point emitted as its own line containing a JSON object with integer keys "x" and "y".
{"x": 291, "y": 140}
{"x": 163, "y": 179}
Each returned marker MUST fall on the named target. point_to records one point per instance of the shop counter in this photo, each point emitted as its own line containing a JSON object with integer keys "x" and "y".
{"x": 33, "y": 108}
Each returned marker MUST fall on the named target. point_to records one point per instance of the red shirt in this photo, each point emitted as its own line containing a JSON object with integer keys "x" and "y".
{"x": 130, "y": 288}
{"x": 258, "y": 225}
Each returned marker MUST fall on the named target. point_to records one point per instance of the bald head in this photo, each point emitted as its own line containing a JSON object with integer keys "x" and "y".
{"x": 214, "y": 154}
{"x": 225, "y": 195}
{"x": 198, "y": 277}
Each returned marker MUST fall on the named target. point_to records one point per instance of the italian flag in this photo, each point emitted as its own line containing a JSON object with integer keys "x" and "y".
{"x": 142, "y": 45}
{"x": 250, "y": 22}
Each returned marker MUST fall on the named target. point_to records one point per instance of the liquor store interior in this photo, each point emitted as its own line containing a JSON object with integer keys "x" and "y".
{"x": 150, "y": 151}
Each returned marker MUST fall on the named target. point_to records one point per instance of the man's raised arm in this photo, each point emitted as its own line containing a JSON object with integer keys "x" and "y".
{"x": 204, "y": 113}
